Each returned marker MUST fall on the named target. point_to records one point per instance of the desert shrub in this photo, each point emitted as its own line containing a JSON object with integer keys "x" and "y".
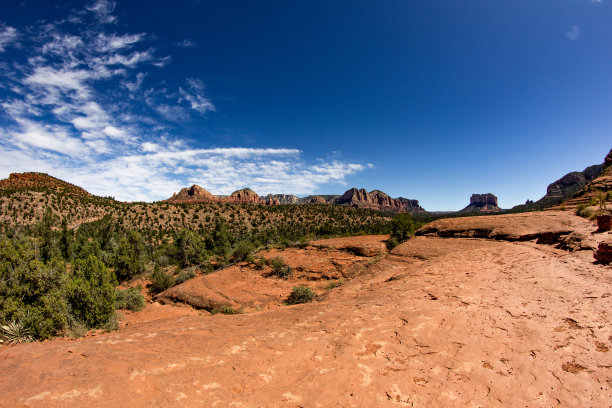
{"x": 184, "y": 276}
{"x": 300, "y": 294}
{"x": 130, "y": 299}
{"x": 586, "y": 212}
{"x": 16, "y": 332}
{"x": 391, "y": 243}
{"x": 130, "y": 256}
{"x": 162, "y": 261}
{"x": 191, "y": 248}
{"x": 242, "y": 251}
{"x": 334, "y": 284}
{"x": 280, "y": 268}
{"x": 228, "y": 310}
{"x": 32, "y": 294}
{"x": 91, "y": 292}
{"x": 403, "y": 227}
{"x": 160, "y": 281}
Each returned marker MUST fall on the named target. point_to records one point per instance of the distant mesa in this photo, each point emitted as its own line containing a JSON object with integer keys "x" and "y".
{"x": 377, "y": 200}
{"x": 32, "y": 181}
{"x": 482, "y": 203}
{"x": 357, "y": 198}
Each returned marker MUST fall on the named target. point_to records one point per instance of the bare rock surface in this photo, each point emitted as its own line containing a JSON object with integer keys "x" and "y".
{"x": 461, "y": 322}
{"x": 547, "y": 226}
{"x": 247, "y": 288}
{"x": 369, "y": 245}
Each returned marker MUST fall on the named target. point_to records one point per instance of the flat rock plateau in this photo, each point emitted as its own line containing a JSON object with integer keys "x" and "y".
{"x": 489, "y": 311}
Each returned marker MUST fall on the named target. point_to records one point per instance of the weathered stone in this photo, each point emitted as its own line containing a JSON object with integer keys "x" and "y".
{"x": 604, "y": 252}
{"x": 604, "y": 222}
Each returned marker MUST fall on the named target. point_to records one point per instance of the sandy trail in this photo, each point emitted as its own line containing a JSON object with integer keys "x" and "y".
{"x": 439, "y": 322}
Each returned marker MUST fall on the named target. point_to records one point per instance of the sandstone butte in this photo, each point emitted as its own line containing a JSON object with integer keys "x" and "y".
{"x": 488, "y": 311}
{"x": 482, "y": 203}
{"x": 358, "y": 198}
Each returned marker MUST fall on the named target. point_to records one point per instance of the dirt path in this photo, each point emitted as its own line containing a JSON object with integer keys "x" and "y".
{"x": 439, "y": 322}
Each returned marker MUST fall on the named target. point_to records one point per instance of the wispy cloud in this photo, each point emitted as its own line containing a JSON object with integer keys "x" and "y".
{"x": 574, "y": 33}
{"x": 186, "y": 43}
{"x": 80, "y": 103}
{"x": 8, "y": 36}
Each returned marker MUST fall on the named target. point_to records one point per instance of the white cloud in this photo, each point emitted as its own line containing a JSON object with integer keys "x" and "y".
{"x": 8, "y": 36}
{"x": 195, "y": 96}
{"x": 186, "y": 43}
{"x": 103, "y": 9}
{"x": 574, "y": 33}
{"x": 70, "y": 110}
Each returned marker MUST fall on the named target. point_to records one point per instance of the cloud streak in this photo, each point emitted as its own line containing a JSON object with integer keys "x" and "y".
{"x": 574, "y": 33}
{"x": 79, "y": 103}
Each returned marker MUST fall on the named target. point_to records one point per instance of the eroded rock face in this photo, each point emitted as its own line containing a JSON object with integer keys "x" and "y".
{"x": 193, "y": 194}
{"x": 317, "y": 200}
{"x": 482, "y": 203}
{"x": 358, "y": 198}
{"x": 604, "y": 252}
{"x": 196, "y": 194}
{"x": 283, "y": 198}
{"x": 377, "y": 200}
{"x": 245, "y": 196}
{"x": 604, "y": 222}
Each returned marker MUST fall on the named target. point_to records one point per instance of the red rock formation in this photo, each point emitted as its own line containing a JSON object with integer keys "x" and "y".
{"x": 317, "y": 200}
{"x": 604, "y": 252}
{"x": 193, "y": 194}
{"x": 244, "y": 196}
{"x": 604, "y": 222}
{"x": 40, "y": 180}
{"x": 482, "y": 203}
{"x": 377, "y": 200}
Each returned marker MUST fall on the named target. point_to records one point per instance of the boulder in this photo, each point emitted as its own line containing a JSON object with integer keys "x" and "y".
{"x": 604, "y": 222}
{"x": 604, "y": 252}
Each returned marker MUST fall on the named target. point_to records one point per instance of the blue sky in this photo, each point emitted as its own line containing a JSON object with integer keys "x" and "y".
{"x": 432, "y": 100}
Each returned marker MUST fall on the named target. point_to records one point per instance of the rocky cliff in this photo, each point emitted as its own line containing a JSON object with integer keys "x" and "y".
{"x": 599, "y": 185}
{"x": 40, "y": 181}
{"x": 283, "y": 198}
{"x": 377, "y": 200}
{"x": 571, "y": 187}
{"x": 196, "y": 194}
{"x": 358, "y": 198}
{"x": 482, "y": 203}
{"x": 193, "y": 194}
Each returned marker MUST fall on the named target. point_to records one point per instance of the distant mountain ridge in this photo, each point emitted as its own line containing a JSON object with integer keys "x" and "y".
{"x": 600, "y": 184}
{"x": 572, "y": 188}
{"x": 33, "y": 180}
{"x": 357, "y": 198}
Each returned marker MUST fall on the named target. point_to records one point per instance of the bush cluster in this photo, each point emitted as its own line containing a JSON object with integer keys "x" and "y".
{"x": 300, "y": 294}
